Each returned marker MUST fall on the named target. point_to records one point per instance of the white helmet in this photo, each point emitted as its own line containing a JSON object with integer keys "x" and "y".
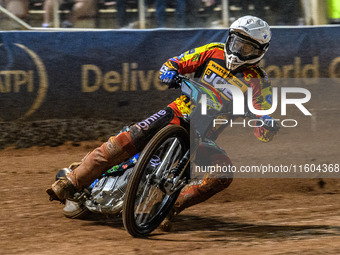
{"x": 247, "y": 42}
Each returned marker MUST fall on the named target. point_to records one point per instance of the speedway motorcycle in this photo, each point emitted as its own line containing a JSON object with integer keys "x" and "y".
{"x": 144, "y": 188}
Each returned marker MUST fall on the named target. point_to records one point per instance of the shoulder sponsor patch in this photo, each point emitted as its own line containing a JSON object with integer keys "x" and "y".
{"x": 196, "y": 57}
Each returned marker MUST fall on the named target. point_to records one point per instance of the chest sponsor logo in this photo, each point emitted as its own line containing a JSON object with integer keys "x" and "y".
{"x": 216, "y": 75}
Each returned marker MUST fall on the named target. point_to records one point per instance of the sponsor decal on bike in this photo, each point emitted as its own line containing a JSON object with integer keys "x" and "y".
{"x": 155, "y": 161}
{"x": 212, "y": 101}
{"x": 145, "y": 124}
{"x": 134, "y": 158}
{"x": 182, "y": 106}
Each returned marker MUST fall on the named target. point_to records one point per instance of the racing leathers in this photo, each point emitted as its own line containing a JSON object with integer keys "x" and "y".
{"x": 208, "y": 64}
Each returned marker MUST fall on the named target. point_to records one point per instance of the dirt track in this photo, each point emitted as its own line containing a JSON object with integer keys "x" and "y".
{"x": 253, "y": 216}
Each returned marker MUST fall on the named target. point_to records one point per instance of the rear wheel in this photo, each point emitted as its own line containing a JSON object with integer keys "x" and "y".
{"x": 149, "y": 199}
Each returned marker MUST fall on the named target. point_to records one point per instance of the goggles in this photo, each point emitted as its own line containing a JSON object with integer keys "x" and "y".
{"x": 243, "y": 48}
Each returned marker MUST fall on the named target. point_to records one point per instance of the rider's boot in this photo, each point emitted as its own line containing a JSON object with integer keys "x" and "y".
{"x": 192, "y": 195}
{"x": 61, "y": 190}
{"x": 114, "y": 151}
{"x": 166, "y": 224}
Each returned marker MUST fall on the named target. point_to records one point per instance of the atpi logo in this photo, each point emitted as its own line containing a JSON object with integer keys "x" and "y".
{"x": 23, "y": 82}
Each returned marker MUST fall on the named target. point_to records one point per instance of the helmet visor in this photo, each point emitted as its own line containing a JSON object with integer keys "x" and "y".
{"x": 244, "y": 49}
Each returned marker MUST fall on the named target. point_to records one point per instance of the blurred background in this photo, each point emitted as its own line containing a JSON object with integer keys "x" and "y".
{"x": 103, "y": 79}
{"x": 145, "y": 14}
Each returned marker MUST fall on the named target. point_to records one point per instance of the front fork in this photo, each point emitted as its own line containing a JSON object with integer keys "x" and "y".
{"x": 171, "y": 185}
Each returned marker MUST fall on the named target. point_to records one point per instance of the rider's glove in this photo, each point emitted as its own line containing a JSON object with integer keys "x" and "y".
{"x": 169, "y": 78}
{"x": 269, "y": 123}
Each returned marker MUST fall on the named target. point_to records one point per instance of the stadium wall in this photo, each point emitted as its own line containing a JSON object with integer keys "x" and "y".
{"x": 113, "y": 74}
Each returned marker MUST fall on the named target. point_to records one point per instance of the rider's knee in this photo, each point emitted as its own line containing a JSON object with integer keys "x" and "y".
{"x": 120, "y": 146}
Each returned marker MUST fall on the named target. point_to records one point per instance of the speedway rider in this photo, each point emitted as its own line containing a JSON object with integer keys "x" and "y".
{"x": 236, "y": 60}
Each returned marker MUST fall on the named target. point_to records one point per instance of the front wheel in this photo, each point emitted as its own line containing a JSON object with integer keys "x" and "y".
{"x": 149, "y": 199}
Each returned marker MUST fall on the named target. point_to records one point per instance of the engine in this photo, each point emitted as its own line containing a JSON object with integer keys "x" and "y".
{"x": 107, "y": 194}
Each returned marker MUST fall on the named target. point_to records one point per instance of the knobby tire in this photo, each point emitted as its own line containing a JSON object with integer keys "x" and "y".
{"x": 132, "y": 188}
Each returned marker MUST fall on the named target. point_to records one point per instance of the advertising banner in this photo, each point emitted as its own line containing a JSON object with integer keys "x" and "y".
{"x": 102, "y": 74}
